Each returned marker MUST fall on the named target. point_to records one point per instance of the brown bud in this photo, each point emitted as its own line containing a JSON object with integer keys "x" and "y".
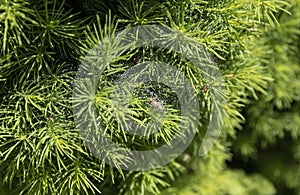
{"x": 230, "y": 76}
{"x": 157, "y": 104}
{"x": 206, "y": 88}
{"x": 52, "y": 119}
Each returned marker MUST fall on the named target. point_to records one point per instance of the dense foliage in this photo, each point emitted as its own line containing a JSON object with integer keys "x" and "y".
{"x": 255, "y": 44}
